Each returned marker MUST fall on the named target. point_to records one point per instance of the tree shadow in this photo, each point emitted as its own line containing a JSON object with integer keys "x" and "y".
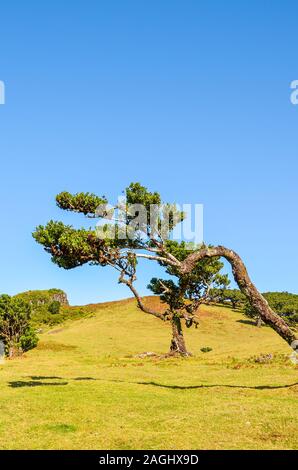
{"x": 33, "y": 383}
{"x": 84, "y": 378}
{"x": 247, "y": 322}
{"x": 53, "y": 377}
{"x": 38, "y": 381}
{"x": 44, "y": 377}
{"x": 193, "y": 387}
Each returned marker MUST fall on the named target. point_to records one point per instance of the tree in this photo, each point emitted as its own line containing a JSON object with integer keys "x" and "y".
{"x": 232, "y": 296}
{"x": 15, "y": 330}
{"x": 140, "y": 230}
{"x": 71, "y": 247}
{"x": 284, "y": 303}
{"x": 251, "y": 312}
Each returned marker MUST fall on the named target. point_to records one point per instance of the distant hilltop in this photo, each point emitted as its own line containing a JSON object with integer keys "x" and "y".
{"x": 44, "y": 297}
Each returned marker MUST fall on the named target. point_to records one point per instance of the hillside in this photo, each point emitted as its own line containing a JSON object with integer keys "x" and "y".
{"x": 84, "y": 388}
{"x": 48, "y": 307}
{"x": 42, "y": 297}
{"x": 51, "y": 307}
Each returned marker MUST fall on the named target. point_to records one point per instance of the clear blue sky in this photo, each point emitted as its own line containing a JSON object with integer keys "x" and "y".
{"x": 189, "y": 97}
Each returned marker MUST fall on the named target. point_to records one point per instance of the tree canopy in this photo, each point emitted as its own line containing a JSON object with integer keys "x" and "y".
{"x": 284, "y": 303}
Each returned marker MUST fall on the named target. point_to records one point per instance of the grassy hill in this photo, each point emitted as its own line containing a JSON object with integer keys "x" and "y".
{"x": 42, "y": 297}
{"x": 41, "y": 302}
{"x": 83, "y": 387}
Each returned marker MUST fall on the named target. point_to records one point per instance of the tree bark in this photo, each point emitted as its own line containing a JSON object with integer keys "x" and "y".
{"x": 14, "y": 351}
{"x": 178, "y": 343}
{"x": 246, "y": 286}
{"x": 259, "y": 322}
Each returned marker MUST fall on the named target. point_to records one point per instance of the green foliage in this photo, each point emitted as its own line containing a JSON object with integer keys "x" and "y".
{"x": 38, "y": 297}
{"x": 187, "y": 292}
{"x": 54, "y": 307}
{"x": 71, "y": 247}
{"x": 206, "y": 349}
{"x": 29, "y": 339}
{"x": 42, "y": 317}
{"x": 206, "y": 273}
{"x": 283, "y": 303}
{"x": 45, "y": 305}
{"x": 232, "y": 296}
{"x": 138, "y": 194}
{"x": 249, "y": 311}
{"x": 86, "y": 203}
{"x": 15, "y": 329}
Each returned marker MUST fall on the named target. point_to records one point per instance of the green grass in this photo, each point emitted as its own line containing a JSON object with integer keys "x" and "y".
{"x": 82, "y": 388}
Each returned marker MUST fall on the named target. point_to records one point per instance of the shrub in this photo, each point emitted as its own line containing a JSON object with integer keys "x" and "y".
{"x": 54, "y": 307}
{"x": 29, "y": 339}
{"x": 206, "y": 349}
{"x": 15, "y": 330}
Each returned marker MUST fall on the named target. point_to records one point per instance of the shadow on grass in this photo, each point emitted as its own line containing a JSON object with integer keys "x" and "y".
{"x": 33, "y": 383}
{"x": 248, "y": 322}
{"x": 192, "y": 387}
{"x": 44, "y": 377}
{"x": 37, "y": 381}
{"x": 53, "y": 377}
{"x": 84, "y": 378}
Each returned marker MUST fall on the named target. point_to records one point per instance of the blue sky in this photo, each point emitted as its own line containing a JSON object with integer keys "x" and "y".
{"x": 191, "y": 98}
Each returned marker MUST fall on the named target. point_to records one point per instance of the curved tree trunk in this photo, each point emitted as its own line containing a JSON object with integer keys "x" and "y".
{"x": 178, "y": 343}
{"x": 246, "y": 286}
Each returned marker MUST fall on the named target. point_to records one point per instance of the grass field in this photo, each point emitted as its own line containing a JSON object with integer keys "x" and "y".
{"x": 82, "y": 388}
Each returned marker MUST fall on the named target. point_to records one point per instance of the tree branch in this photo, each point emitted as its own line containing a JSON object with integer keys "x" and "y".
{"x": 158, "y": 258}
{"x": 139, "y": 299}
